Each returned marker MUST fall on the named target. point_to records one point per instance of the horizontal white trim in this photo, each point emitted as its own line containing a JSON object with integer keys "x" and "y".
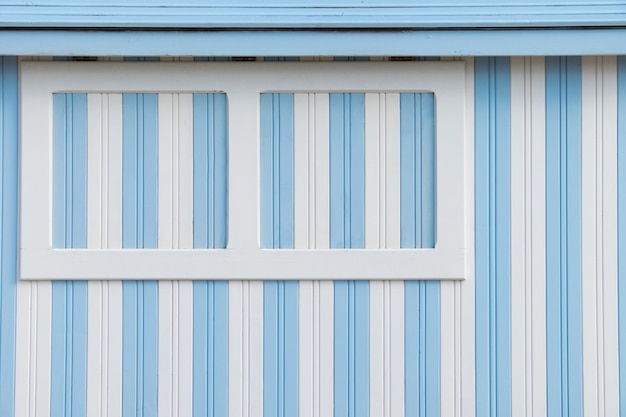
{"x": 242, "y": 264}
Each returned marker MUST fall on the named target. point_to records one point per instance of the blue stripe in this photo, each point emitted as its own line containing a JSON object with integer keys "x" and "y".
{"x": 280, "y": 298}
{"x": 492, "y": 170}
{"x": 210, "y": 298}
{"x": 8, "y": 225}
{"x": 347, "y": 230}
{"x": 621, "y": 226}
{"x": 139, "y": 230}
{"x": 417, "y": 218}
{"x": 69, "y": 299}
{"x": 209, "y": 170}
{"x": 563, "y": 236}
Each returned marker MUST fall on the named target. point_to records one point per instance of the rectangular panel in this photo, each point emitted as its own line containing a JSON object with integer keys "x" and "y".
{"x": 160, "y": 135}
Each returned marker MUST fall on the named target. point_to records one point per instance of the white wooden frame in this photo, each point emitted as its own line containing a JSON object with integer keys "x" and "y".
{"x": 243, "y": 258}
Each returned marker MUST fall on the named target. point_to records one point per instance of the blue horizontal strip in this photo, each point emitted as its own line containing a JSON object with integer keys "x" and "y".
{"x": 300, "y": 43}
{"x": 314, "y": 14}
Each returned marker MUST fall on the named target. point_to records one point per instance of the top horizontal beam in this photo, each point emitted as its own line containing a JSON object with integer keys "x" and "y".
{"x": 310, "y": 14}
{"x": 312, "y": 43}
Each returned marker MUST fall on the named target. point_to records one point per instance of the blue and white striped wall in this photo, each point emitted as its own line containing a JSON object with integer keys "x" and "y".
{"x": 536, "y": 331}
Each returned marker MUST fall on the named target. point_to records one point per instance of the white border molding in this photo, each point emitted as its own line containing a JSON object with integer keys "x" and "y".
{"x": 243, "y": 83}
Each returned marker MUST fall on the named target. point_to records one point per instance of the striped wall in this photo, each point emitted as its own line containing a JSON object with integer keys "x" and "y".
{"x": 536, "y": 331}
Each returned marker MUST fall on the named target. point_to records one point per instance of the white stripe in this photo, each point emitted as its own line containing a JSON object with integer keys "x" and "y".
{"x": 535, "y": 244}
{"x": 185, "y": 348}
{"x": 306, "y": 338}
{"x": 184, "y": 342}
{"x": 24, "y": 366}
{"x": 322, "y": 171}
{"x": 324, "y": 328}
{"x": 243, "y": 157}
{"x": 377, "y": 348}
{"x": 236, "y": 304}
{"x": 114, "y": 178}
{"x": 465, "y": 400}
{"x": 245, "y": 337}
{"x": 527, "y": 236}
{"x": 95, "y": 354}
{"x": 167, "y": 195}
{"x": 114, "y": 354}
{"x": 382, "y": 211}
{"x": 324, "y": 291}
{"x": 311, "y": 230}
{"x": 609, "y": 344}
{"x": 391, "y": 160}
{"x": 255, "y": 347}
{"x": 41, "y": 348}
{"x": 166, "y": 336}
{"x": 112, "y": 313}
{"x": 185, "y": 171}
{"x": 373, "y": 241}
{"x": 449, "y": 345}
{"x": 175, "y": 231}
{"x": 394, "y": 355}
{"x": 599, "y": 213}
{"x": 303, "y": 174}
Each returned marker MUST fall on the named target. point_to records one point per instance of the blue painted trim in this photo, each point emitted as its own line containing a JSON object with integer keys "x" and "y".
{"x": 8, "y": 229}
{"x": 621, "y": 226}
{"x": 311, "y": 43}
{"x": 563, "y": 236}
{"x": 139, "y": 230}
{"x": 311, "y": 14}
{"x": 492, "y": 220}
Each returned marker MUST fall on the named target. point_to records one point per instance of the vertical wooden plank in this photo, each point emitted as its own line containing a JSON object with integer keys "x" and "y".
{"x": 237, "y": 396}
{"x": 114, "y": 178}
{"x": 243, "y": 155}
{"x": 466, "y": 399}
{"x": 167, "y": 237}
{"x": 527, "y": 229}
{"x": 24, "y": 358}
{"x": 322, "y": 170}
{"x": 609, "y": 304}
{"x": 394, "y": 297}
{"x": 112, "y": 367}
{"x": 255, "y": 347}
{"x": 97, "y": 164}
{"x": 41, "y": 328}
{"x": 375, "y": 141}
{"x": 184, "y": 343}
{"x": 589, "y": 196}
{"x": 304, "y": 174}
